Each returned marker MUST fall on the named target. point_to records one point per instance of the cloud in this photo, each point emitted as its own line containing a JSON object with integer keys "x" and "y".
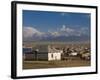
{"x": 68, "y": 31}
{"x": 84, "y": 31}
{"x": 55, "y": 34}
{"x": 30, "y": 31}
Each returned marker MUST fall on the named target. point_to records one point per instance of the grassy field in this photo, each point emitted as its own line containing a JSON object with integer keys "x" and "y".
{"x": 54, "y": 64}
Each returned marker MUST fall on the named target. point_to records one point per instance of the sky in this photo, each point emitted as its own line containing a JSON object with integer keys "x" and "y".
{"x": 56, "y": 23}
{"x": 52, "y": 20}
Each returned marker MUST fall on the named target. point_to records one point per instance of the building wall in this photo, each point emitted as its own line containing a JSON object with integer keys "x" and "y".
{"x": 42, "y": 56}
{"x": 54, "y": 56}
{"x": 38, "y": 56}
{"x": 29, "y": 56}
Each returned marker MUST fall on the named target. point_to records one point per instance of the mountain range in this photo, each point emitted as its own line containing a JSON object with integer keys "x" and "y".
{"x": 65, "y": 34}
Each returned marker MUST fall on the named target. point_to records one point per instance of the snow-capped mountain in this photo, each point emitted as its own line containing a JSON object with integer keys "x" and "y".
{"x": 62, "y": 34}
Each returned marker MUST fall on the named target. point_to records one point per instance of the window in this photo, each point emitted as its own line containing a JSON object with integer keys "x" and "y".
{"x": 52, "y": 55}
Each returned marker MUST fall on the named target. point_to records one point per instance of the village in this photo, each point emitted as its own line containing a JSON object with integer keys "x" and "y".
{"x": 56, "y": 55}
{"x": 51, "y": 52}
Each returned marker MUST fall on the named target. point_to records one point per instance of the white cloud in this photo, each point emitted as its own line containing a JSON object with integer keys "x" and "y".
{"x": 67, "y": 29}
{"x": 55, "y": 34}
{"x": 30, "y": 31}
{"x": 63, "y": 28}
{"x": 85, "y": 31}
{"x": 34, "y": 34}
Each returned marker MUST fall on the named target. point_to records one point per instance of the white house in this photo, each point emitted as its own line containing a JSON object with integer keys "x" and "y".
{"x": 54, "y": 54}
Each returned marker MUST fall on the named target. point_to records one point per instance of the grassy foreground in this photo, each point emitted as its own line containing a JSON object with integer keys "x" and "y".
{"x": 54, "y": 64}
